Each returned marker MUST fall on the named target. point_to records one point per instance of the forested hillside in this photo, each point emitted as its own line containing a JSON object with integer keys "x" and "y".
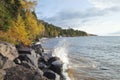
{"x": 55, "y": 31}
{"x": 19, "y": 24}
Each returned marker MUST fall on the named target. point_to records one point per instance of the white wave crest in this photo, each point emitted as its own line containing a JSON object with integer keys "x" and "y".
{"x": 61, "y": 51}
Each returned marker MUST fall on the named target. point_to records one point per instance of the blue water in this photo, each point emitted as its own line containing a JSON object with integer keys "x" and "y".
{"x": 92, "y": 58}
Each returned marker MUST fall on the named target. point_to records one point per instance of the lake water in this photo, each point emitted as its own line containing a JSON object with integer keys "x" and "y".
{"x": 91, "y": 58}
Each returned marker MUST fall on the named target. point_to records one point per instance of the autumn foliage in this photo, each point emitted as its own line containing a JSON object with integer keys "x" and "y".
{"x": 23, "y": 28}
{"x": 19, "y": 24}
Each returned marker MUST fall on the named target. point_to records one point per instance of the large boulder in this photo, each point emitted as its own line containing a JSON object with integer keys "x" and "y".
{"x": 8, "y": 50}
{"x": 44, "y": 59}
{"x": 27, "y": 54}
{"x": 22, "y": 73}
{"x": 8, "y": 53}
{"x": 57, "y": 66}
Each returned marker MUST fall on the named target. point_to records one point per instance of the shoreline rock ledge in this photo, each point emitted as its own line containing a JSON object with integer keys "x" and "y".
{"x": 28, "y": 63}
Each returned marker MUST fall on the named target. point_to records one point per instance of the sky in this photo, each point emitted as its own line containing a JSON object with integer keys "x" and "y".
{"x": 101, "y": 17}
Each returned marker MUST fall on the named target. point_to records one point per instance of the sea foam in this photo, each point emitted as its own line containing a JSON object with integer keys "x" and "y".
{"x": 61, "y": 51}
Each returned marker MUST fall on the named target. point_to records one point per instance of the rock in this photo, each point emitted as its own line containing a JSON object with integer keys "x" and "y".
{"x": 28, "y": 56}
{"x": 46, "y": 57}
{"x": 49, "y": 74}
{"x": 52, "y": 59}
{"x": 2, "y": 74}
{"x": 8, "y": 50}
{"x": 22, "y": 73}
{"x": 33, "y": 58}
{"x": 5, "y": 62}
{"x": 58, "y": 63}
{"x": 38, "y": 48}
{"x": 27, "y": 65}
{"x": 25, "y": 61}
{"x": 23, "y": 50}
{"x": 21, "y": 58}
{"x": 41, "y": 59}
{"x": 17, "y": 61}
{"x": 8, "y": 64}
{"x": 42, "y": 65}
{"x": 2, "y": 60}
{"x": 56, "y": 66}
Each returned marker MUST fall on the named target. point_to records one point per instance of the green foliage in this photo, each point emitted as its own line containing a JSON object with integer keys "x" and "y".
{"x": 4, "y": 17}
{"x": 54, "y": 31}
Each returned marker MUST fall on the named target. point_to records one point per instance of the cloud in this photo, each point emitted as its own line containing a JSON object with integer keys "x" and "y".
{"x": 69, "y": 17}
{"x": 103, "y": 4}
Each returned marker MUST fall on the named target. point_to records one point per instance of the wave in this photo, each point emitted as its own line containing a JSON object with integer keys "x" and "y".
{"x": 61, "y": 51}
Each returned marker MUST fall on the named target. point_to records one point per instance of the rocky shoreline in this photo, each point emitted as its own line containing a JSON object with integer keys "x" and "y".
{"x": 29, "y": 63}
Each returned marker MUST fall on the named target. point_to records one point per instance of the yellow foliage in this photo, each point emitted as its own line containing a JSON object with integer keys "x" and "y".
{"x": 25, "y": 29}
{"x": 17, "y": 33}
{"x": 32, "y": 26}
{"x": 19, "y": 30}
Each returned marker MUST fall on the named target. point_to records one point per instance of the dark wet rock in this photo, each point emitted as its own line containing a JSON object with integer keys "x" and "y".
{"x": 22, "y": 58}
{"x": 22, "y": 73}
{"x": 41, "y": 59}
{"x": 49, "y": 74}
{"x": 52, "y": 59}
{"x": 56, "y": 66}
{"x": 29, "y": 57}
{"x": 24, "y": 61}
{"x": 42, "y": 65}
{"x": 23, "y": 50}
{"x": 44, "y": 58}
{"x": 8, "y": 50}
